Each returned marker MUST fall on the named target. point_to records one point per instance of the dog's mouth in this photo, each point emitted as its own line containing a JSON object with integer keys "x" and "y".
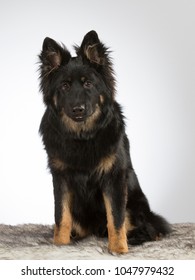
{"x": 79, "y": 118}
{"x": 82, "y": 118}
{"x": 80, "y": 122}
{"x": 80, "y": 113}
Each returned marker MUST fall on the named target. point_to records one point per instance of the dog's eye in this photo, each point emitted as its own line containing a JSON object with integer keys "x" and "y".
{"x": 66, "y": 86}
{"x": 87, "y": 84}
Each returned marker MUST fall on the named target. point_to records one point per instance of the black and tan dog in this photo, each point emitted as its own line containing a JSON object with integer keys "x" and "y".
{"x": 95, "y": 188}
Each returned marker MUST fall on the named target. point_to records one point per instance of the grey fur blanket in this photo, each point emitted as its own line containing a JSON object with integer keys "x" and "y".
{"x": 34, "y": 242}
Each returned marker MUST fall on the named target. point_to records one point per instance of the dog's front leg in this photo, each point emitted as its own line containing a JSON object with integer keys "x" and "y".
{"x": 115, "y": 204}
{"x": 63, "y": 217}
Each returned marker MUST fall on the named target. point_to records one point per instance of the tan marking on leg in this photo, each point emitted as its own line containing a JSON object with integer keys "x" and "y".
{"x": 128, "y": 225}
{"x": 117, "y": 239}
{"x": 79, "y": 231}
{"x": 106, "y": 164}
{"x": 63, "y": 231}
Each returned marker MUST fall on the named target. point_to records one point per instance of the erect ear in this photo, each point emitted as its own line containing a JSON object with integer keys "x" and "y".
{"x": 53, "y": 55}
{"x": 92, "y": 49}
{"x": 51, "y": 58}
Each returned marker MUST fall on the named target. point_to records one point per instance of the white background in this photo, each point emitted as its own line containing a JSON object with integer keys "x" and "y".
{"x": 153, "y": 47}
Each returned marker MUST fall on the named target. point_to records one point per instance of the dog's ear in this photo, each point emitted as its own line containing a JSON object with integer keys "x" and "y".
{"x": 95, "y": 53}
{"x": 51, "y": 58}
{"x": 92, "y": 49}
{"x": 53, "y": 55}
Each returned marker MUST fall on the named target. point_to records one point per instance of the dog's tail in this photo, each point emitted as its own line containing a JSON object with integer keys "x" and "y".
{"x": 149, "y": 227}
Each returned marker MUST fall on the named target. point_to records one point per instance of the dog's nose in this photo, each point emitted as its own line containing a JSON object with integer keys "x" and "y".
{"x": 78, "y": 111}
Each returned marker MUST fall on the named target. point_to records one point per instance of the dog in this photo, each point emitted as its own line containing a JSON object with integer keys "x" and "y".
{"x": 96, "y": 190}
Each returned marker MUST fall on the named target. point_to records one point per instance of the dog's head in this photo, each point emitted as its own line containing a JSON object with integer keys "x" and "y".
{"x": 77, "y": 87}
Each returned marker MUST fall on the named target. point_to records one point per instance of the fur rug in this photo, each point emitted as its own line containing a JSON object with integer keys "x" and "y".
{"x": 34, "y": 242}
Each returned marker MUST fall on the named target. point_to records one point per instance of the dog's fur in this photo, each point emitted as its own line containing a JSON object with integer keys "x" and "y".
{"x": 96, "y": 190}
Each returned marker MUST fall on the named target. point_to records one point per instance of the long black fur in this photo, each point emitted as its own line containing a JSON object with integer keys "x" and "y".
{"x": 83, "y": 132}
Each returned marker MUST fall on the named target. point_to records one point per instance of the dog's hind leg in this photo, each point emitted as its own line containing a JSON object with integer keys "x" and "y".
{"x": 148, "y": 226}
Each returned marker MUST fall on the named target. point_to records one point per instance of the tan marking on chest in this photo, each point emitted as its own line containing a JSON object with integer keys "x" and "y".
{"x": 106, "y": 164}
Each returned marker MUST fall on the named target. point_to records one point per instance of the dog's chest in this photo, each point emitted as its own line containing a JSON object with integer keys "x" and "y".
{"x": 83, "y": 156}
{"x": 87, "y": 155}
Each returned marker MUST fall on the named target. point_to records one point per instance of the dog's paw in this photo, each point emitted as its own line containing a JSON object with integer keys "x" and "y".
{"x": 118, "y": 248}
{"x": 59, "y": 240}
